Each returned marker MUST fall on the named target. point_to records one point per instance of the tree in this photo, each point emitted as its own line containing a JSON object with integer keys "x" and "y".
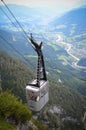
{"x": 11, "y": 108}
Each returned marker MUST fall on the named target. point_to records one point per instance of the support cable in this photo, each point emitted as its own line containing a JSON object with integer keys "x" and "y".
{"x": 9, "y": 18}
{"x": 16, "y": 20}
{"x": 13, "y": 48}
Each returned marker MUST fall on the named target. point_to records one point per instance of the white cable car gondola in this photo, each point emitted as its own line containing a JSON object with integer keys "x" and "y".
{"x": 38, "y": 91}
{"x": 37, "y": 97}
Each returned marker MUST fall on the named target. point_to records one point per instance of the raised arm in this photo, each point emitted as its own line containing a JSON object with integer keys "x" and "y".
{"x": 36, "y": 45}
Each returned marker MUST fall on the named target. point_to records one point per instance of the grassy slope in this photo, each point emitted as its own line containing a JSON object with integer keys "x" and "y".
{"x": 6, "y": 126}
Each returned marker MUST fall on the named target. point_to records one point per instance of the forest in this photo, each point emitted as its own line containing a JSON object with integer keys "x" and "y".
{"x": 15, "y": 75}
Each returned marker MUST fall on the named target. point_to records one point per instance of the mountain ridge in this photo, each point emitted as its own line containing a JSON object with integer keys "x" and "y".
{"x": 74, "y": 18}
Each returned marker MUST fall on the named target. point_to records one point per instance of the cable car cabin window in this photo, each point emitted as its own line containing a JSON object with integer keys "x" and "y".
{"x": 43, "y": 91}
{"x": 33, "y": 96}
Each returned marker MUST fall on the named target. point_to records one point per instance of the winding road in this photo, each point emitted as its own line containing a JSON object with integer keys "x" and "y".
{"x": 68, "y": 50}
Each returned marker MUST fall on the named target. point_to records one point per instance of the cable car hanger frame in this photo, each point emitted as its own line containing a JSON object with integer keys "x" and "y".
{"x": 40, "y": 66}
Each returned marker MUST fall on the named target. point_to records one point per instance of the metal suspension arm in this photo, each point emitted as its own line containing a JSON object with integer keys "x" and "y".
{"x": 41, "y": 64}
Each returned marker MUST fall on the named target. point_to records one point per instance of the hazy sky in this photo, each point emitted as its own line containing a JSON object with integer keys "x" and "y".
{"x": 54, "y": 5}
